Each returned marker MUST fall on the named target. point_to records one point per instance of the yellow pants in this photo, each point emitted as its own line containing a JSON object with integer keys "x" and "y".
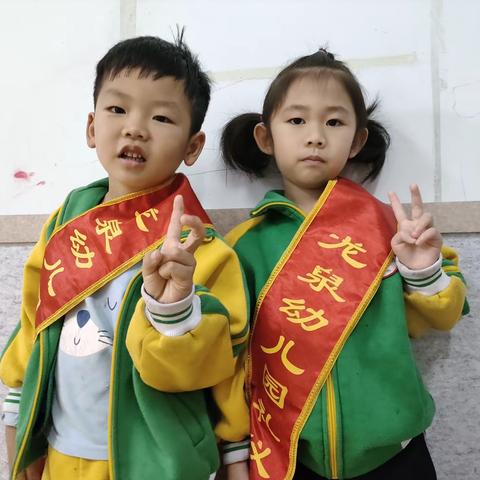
{"x": 62, "y": 467}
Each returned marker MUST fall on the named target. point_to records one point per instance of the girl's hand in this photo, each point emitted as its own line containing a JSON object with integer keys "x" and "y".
{"x": 417, "y": 242}
{"x": 237, "y": 471}
{"x": 168, "y": 272}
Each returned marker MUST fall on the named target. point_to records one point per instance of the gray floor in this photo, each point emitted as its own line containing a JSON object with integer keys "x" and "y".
{"x": 450, "y": 363}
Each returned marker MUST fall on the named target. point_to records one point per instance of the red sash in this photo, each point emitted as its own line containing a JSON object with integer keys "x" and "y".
{"x": 307, "y": 309}
{"x": 90, "y": 250}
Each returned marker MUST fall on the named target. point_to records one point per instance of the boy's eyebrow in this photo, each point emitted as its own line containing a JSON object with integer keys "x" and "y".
{"x": 160, "y": 103}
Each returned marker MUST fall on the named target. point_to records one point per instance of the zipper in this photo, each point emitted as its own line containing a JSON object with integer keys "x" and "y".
{"x": 332, "y": 426}
{"x": 112, "y": 374}
{"x": 32, "y": 410}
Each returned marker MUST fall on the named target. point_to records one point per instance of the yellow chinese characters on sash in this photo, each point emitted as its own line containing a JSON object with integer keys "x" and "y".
{"x": 309, "y": 306}
{"x": 90, "y": 250}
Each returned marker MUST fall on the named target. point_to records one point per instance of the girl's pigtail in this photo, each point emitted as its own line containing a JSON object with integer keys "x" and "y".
{"x": 239, "y": 148}
{"x": 373, "y": 153}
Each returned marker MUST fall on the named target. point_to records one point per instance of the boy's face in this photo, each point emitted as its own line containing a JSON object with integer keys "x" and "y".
{"x": 141, "y": 131}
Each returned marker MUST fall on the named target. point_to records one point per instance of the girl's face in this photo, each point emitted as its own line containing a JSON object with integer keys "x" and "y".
{"x": 313, "y": 133}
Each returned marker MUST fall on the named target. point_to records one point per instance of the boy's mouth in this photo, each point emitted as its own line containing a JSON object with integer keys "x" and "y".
{"x": 133, "y": 154}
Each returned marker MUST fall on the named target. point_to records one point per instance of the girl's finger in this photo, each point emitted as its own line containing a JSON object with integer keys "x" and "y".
{"x": 431, "y": 236}
{"x": 422, "y": 224}
{"x": 417, "y": 203}
{"x": 196, "y": 235}
{"x": 397, "y": 207}
{"x": 402, "y": 236}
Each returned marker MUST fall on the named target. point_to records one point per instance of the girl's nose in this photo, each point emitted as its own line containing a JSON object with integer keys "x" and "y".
{"x": 316, "y": 137}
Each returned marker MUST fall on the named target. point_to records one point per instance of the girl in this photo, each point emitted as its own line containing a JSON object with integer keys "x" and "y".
{"x": 331, "y": 378}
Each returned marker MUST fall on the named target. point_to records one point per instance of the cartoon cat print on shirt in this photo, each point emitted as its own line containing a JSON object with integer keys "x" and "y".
{"x": 81, "y": 336}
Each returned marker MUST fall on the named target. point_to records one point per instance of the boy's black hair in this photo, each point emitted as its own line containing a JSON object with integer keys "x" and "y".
{"x": 159, "y": 58}
{"x": 238, "y": 145}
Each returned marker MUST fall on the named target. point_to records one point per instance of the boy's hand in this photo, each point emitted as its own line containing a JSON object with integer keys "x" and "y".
{"x": 417, "y": 242}
{"x": 168, "y": 272}
{"x": 237, "y": 471}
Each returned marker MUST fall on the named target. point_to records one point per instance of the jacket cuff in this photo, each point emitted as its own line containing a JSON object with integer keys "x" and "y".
{"x": 173, "y": 319}
{"x": 10, "y": 407}
{"x": 427, "y": 281}
{"x": 236, "y": 452}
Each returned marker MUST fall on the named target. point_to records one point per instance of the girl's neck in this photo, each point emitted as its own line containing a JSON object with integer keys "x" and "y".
{"x": 303, "y": 197}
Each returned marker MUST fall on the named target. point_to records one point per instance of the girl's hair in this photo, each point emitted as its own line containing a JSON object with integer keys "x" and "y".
{"x": 238, "y": 145}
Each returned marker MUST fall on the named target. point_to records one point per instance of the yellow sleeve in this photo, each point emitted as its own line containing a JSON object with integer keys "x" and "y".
{"x": 442, "y": 310}
{"x": 206, "y": 355}
{"x": 234, "y": 422}
{"x": 16, "y": 354}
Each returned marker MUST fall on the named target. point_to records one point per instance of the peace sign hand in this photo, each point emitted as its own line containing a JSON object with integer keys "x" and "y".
{"x": 417, "y": 242}
{"x": 168, "y": 272}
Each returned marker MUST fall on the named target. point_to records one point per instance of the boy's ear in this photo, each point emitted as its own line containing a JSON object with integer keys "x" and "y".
{"x": 358, "y": 142}
{"x": 194, "y": 148}
{"x": 91, "y": 130}
{"x": 263, "y": 138}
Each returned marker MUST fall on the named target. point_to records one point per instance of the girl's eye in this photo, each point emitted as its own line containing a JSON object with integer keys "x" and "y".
{"x": 334, "y": 122}
{"x": 296, "y": 121}
{"x": 162, "y": 119}
{"x": 115, "y": 109}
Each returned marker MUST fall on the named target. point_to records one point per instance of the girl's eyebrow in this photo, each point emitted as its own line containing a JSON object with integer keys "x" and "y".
{"x": 304, "y": 108}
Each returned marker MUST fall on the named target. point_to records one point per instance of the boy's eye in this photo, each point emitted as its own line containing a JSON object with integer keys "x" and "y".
{"x": 296, "y": 121}
{"x": 162, "y": 119}
{"x": 115, "y": 109}
{"x": 334, "y": 122}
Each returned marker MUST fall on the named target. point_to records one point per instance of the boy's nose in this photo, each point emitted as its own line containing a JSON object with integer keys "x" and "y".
{"x": 134, "y": 131}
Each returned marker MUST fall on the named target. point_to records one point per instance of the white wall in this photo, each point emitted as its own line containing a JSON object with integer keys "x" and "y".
{"x": 419, "y": 56}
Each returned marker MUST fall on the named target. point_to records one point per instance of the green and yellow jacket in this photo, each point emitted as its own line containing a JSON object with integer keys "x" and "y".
{"x": 374, "y": 398}
{"x": 171, "y": 398}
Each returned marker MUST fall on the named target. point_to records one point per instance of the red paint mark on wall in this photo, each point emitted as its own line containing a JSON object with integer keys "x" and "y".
{"x": 21, "y": 175}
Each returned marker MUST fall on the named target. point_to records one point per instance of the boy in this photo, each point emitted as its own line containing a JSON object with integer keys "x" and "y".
{"x": 110, "y": 367}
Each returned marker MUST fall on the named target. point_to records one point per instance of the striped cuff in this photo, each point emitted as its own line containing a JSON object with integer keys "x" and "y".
{"x": 10, "y": 406}
{"x": 428, "y": 281}
{"x": 173, "y": 319}
{"x": 236, "y": 452}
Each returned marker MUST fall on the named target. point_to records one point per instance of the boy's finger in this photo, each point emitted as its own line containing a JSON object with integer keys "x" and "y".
{"x": 196, "y": 235}
{"x": 151, "y": 261}
{"x": 417, "y": 203}
{"x": 175, "y": 227}
{"x": 397, "y": 207}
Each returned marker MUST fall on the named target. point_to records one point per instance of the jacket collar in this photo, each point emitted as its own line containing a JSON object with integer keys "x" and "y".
{"x": 275, "y": 200}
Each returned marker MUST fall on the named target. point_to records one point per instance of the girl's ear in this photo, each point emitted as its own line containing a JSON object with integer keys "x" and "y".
{"x": 91, "y": 130}
{"x": 358, "y": 142}
{"x": 263, "y": 138}
{"x": 194, "y": 148}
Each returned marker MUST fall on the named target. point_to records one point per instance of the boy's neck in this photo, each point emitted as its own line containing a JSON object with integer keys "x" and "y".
{"x": 113, "y": 194}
